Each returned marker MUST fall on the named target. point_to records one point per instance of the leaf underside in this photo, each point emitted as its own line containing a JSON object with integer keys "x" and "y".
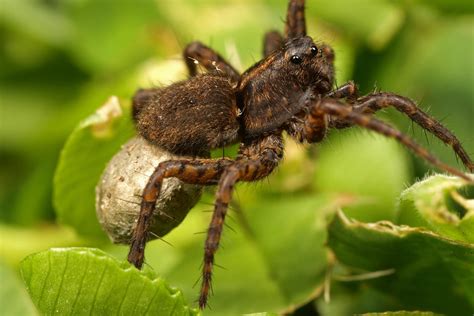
{"x": 430, "y": 272}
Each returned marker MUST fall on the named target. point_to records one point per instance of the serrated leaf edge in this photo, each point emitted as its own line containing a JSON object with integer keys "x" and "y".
{"x": 400, "y": 231}
{"x": 148, "y": 276}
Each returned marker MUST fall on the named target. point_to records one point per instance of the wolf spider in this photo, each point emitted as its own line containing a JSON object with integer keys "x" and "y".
{"x": 290, "y": 90}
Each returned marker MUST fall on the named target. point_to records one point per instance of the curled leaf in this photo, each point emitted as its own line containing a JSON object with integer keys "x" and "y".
{"x": 439, "y": 204}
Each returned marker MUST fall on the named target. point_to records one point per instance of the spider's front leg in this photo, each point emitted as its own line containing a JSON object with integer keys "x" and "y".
{"x": 199, "y": 171}
{"x": 295, "y": 20}
{"x": 272, "y": 41}
{"x": 336, "y": 109}
{"x": 257, "y": 159}
{"x": 348, "y": 91}
{"x": 372, "y": 103}
{"x": 197, "y": 53}
{"x": 295, "y": 26}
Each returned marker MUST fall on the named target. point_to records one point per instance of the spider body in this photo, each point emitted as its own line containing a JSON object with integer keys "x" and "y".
{"x": 290, "y": 90}
{"x": 217, "y": 112}
{"x": 190, "y": 117}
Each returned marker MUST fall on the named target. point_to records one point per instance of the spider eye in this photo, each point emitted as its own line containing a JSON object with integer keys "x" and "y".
{"x": 295, "y": 59}
{"x": 314, "y": 50}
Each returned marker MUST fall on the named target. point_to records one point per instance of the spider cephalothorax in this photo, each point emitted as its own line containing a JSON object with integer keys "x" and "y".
{"x": 276, "y": 89}
{"x": 290, "y": 90}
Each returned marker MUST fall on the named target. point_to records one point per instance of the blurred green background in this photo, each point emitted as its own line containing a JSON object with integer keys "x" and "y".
{"x": 60, "y": 60}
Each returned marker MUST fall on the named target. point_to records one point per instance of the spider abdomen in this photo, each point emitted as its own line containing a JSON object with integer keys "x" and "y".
{"x": 189, "y": 117}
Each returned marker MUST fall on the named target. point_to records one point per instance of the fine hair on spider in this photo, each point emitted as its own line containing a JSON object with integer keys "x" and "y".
{"x": 290, "y": 90}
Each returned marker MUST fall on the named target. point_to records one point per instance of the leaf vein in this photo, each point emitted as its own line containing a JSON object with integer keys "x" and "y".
{"x": 97, "y": 290}
{"x": 152, "y": 299}
{"x": 174, "y": 306}
{"x": 80, "y": 286}
{"x": 45, "y": 279}
{"x": 125, "y": 294}
{"x": 61, "y": 283}
{"x": 138, "y": 300}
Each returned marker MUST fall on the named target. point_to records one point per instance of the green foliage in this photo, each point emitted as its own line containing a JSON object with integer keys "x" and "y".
{"x": 60, "y": 60}
{"x": 82, "y": 160}
{"x": 15, "y": 300}
{"x": 437, "y": 205}
{"x": 401, "y": 313}
{"x": 79, "y": 281}
{"x": 375, "y": 188}
{"x": 442, "y": 269}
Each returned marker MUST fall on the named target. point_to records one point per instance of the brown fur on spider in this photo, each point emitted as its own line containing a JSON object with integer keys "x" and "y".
{"x": 290, "y": 90}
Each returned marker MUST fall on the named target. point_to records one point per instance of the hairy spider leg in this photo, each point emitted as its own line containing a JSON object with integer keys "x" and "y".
{"x": 295, "y": 26}
{"x": 199, "y": 171}
{"x": 337, "y": 109}
{"x": 312, "y": 127}
{"x": 375, "y": 102}
{"x": 256, "y": 160}
{"x": 372, "y": 103}
{"x": 272, "y": 41}
{"x": 197, "y": 53}
{"x": 348, "y": 90}
{"x": 295, "y": 20}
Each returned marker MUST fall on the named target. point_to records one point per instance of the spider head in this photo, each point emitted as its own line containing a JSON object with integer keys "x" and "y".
{"x": 278, "y": 87}
{"x": 310, "y": 64}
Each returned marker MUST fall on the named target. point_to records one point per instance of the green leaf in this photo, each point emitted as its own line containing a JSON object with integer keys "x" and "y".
{"x": 430, "y": 272}
{"x": 386, "y": 19}
{"x": 300, "y": 222}
{"x": 83, "y": 159}
{"x": 76, "y": 281}
{"x": 15, "y": 300}
{"x": 437, "y": 204}
{"x": 109, "y": 38}
{"x": 25, "y": 16}
{"x": 348, "y": 298}
{"x": 453, "y": 6}
{"x": 370, "y": 167}
{"x": 401, "y": 313}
